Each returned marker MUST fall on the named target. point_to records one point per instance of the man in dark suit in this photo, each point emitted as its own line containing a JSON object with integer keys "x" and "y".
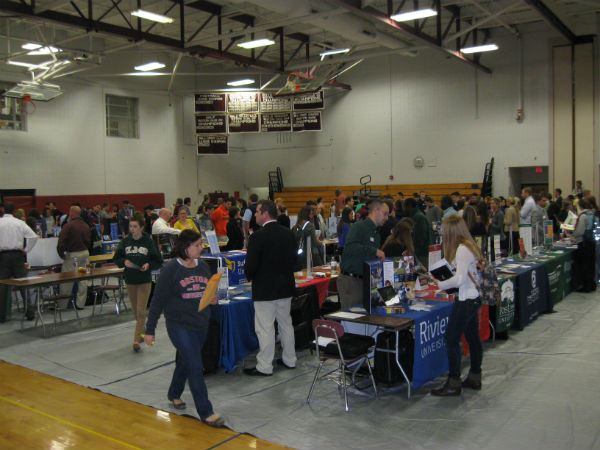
{"x": 270, "y": 266}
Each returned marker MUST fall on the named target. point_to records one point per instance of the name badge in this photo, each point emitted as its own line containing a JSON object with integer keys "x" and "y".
{"x": 372, "y": 239}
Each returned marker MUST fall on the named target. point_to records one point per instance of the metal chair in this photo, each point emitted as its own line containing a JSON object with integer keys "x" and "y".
{"x": 55, "y": 300}
{"x": 104, "y": 289}
{"x": 347, "y": 348}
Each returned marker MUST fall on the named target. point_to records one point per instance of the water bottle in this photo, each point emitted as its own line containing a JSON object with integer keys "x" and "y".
{"x": 75, "y": 264}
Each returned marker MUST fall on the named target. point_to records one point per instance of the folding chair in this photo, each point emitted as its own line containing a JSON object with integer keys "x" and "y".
{"x": 347, "y": 348}
{"x": 105, "y": 289}
{"x": 55, "y": 299}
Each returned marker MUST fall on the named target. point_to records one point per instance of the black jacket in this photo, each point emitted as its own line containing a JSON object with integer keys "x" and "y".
{"x": 270, "y": 262}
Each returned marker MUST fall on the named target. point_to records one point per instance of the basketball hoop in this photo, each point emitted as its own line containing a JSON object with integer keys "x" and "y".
{"x": 27, "y": 105}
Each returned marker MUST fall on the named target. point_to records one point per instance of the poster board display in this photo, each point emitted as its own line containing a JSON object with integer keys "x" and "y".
{"x": 396, "y": 272}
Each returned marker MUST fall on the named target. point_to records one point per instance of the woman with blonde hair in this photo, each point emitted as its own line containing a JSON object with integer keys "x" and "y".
{"x": 461, "y": 250}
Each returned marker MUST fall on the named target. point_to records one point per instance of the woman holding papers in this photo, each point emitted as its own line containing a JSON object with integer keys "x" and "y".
{"x": 138, "y": 254}
{"x": 178, "y": 293}
{"x": 461, "y": 250}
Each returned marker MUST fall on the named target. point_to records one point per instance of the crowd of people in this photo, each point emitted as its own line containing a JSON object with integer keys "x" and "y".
{"x": 374, "y": 228}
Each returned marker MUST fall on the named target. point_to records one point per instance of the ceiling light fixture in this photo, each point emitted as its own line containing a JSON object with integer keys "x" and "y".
{"x": 243, "y": 82}
{"x": 151, "y": 16}
{"x": 335, "y": 51}
{"x": 413, "y": 15}
{"x": 146, "y": 74}
{"x": 30, "y": 46}
{"x": 44, "y": 51}
{"x": 149, "y": 66}
{"x": 256, "y": 43}
{"x": 479, "y": 48}
{"x": 23, "y": 64}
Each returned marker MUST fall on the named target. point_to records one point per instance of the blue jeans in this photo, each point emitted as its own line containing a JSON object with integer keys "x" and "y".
{"x": 188, "y": 365}
{"x": 464, "y": 318}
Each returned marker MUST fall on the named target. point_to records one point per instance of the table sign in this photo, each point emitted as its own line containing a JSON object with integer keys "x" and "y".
{"x": 548, "y": 234}
{"x": 213, "y": 242}
{"x": 497, "y": 251}
{"x": 525, "y": 234}
{"x": 435, "y": 254}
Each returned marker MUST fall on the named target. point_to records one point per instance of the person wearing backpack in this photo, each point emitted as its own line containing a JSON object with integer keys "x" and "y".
{"x": 585, "y": 256}
{"x": 461, "y": 250}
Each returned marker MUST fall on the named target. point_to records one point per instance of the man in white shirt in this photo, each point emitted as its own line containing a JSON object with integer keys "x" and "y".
{"x": 528, "y": 205}
{"x": 161, "y": 226}
{"x": 13, "y": 233}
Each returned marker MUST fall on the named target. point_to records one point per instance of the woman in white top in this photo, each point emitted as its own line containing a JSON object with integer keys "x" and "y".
{"x": 461, "y": 250}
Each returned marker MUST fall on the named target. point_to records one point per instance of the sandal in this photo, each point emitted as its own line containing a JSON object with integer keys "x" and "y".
{"x": 219, "y": 422}
{"x": 177, "y": 403}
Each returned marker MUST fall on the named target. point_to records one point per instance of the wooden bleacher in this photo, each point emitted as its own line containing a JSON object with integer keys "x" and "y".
{"x": 296, "y": 197}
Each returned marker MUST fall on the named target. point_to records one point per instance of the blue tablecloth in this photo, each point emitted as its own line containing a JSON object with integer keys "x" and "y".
{"x": 532, "y": 291}
{"x": 238, "y": 338}
{"x": 431, "y": 356}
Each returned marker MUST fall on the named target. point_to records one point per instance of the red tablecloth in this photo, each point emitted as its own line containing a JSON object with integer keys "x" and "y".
{"x": 322, "y": 285}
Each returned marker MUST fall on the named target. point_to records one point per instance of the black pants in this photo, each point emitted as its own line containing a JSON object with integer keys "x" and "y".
{"x": 585, "y": 265}
{"x": 12, "y": 265}
{"x": 464, "y": 318}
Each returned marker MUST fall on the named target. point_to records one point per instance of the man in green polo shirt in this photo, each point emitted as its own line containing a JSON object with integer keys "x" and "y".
{"x": 362, "y": 244}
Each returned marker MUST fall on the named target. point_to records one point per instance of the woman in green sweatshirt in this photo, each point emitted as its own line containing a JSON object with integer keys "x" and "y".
{"x": 137, "y": 252}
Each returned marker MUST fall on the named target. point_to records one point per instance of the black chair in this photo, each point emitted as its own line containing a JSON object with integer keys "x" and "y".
{"x": 347, "y": 348}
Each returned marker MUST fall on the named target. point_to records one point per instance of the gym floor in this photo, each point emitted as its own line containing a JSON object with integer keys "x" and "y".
{"x": 539, "y": 392}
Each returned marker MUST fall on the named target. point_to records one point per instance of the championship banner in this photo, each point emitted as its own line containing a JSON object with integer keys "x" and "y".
{"x": 209, "y": 102}
{"x": 212, "y": 145}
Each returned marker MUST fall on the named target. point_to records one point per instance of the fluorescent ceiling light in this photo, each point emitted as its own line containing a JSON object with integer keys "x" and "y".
{"x": 150, "y": 66}
{"x": 151, "y": 16}
{"x": 336, "y": 51}
{"x": 243, "y": 82}
{"x": 44, "y": 51}
{"x": 30, "y": 46}
{"x": 146, "y": 74}
{"x": 22, "y": 64}
{"x": 256, "y": 43}
{"x": 412, "y": 15}
{"x": 479, "y": 48}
